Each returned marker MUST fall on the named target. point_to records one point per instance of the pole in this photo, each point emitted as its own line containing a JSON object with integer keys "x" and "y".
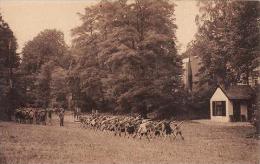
{"x": 10, "y": 65}
{"x": 10, "y": 74}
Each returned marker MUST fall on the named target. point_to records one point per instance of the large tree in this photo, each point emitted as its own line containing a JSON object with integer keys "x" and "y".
{"x": 9, "y": 61}
{"x": 127, "y": 54}
{"x": 41, "y": 57}
{"x": 227, "y": 41}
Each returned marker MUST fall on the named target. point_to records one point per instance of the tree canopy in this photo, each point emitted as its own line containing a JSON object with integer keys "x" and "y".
{"x": 43, "y": 56}
{"x": 9, "y": 61}
{"x": 127, "y": 54}
{"x": 124, "y": 58}
{"x": 227, "y": 41}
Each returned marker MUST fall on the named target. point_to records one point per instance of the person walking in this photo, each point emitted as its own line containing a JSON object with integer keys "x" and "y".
{"x": 177, "y": 130}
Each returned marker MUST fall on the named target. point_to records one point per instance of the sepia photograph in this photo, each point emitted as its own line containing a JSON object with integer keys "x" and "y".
{"x": 129, "y": 81}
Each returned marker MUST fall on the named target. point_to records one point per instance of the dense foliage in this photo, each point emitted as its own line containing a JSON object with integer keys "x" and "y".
{"x": 124, "y": 58}
{"x": 127, "y": 56}
{"x": 227, "y": 41}
{"x": 44, "y": 66}
{"x": 9, "y": 61}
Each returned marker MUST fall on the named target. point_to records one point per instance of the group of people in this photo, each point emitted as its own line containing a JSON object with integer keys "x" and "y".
{"x": 76, "y": 113}
{"x": 59, "y": 111}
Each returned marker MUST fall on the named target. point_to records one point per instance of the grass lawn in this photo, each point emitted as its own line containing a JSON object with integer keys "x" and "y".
{"x": 205, "y": 142}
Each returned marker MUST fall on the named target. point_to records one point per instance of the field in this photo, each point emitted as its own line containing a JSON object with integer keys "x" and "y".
{"x": 205, "y": 142}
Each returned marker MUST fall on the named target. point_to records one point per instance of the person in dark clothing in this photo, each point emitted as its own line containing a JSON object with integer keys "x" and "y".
{"x": 75, "y": 114}
{"x": 256, "y": 123}
{"x": 50, "y": 114}
{"x": 61, "y": 116}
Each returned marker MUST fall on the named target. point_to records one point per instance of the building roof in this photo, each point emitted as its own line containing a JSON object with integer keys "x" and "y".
{"x": 238, "y": 92}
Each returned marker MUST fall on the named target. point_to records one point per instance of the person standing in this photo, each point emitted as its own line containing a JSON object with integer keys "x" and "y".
{"x": 256, "y": 123}
{"x": 49, "y": 115}
{"x": 61, "y": 116}
{"x": 78, "y": 111}
{"x": 75, "y": 113}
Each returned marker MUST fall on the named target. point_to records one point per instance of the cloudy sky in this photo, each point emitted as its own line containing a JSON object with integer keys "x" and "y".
{"x": 28, "y": 17}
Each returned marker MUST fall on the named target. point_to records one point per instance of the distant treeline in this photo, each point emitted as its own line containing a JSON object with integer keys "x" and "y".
{"x": 124, "y": 59}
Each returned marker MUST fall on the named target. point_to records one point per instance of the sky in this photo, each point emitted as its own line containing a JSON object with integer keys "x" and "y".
{"x": 28, "y": 17}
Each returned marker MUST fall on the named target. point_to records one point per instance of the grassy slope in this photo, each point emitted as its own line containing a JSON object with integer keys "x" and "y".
{"x": 204, "y": 143}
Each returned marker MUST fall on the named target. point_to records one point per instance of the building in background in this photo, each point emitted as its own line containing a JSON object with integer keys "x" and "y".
{"x": 232, "y": 104}
{"x": 191, "y": 66}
